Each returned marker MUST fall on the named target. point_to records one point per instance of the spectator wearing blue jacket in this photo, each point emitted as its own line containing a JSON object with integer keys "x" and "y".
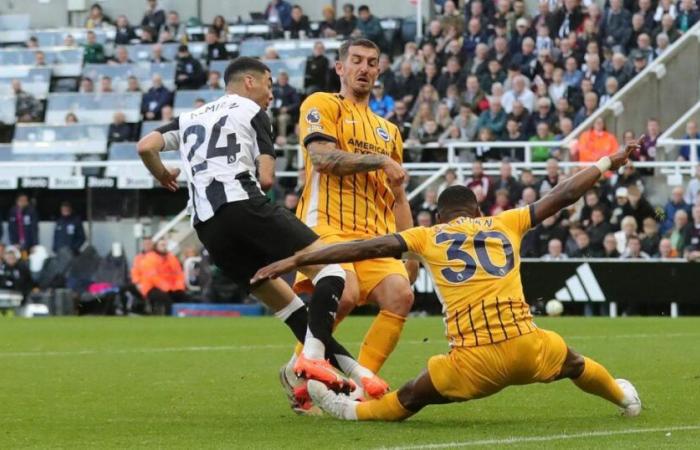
{"x": 23, "y": 224}
{"x": 369, "y": 27}
{"x": 279, "y": 13}
{"x": 155, "y": 99}
{"x": 675, "y": 203}
{"x": 691, "y": 132}
{"x": 286, "y": 104}
{"x": 69, "y": 231}
{"x": 381, "y": 104}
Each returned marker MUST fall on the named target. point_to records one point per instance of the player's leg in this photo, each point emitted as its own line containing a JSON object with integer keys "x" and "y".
{"x": 395, "y": 406}
{"x": 590, "y": 376}
{"x": 394, "y": 296}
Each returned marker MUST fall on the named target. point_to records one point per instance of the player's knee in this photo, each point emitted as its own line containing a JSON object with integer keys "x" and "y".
{"x": 400, "y": 302}
{"x": 574, "y": 364}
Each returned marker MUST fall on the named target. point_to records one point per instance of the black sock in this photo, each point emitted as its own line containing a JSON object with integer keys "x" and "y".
{"x": 323, "y": 307}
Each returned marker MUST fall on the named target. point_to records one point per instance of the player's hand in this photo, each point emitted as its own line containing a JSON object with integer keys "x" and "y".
{"x": 394, "y": 172}
{"x": 168, "y": 179}
{"x": 274, "y": 270}
{"x": 620, "y": 158}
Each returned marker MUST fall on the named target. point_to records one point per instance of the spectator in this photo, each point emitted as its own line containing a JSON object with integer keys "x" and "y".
{"x": 96, "y": 18}
{"x": 554, "y": 251}
{"x": 348, "y": 23}
{"x": 678, "y": 232}
{"x": 71, "y": 118}
{"x": 119, "y": 130}
{"x": 691, "y": 132}
{"x": 596, "y": 142}
{"x": 543, "y": 113}
{"x": 501, "y": 203}
{"x": 154, "y": 16}
{"x": 155, "y": 99}
{"x": 213, "y": 81}
{"x": 286, "y": 103}
{"x": 692, "y": 191}
{"x": 401, "y": 119}
{"x": 650, "y": 236}
{"x": 175, "y": 28}
{"x": 449, "y": 179}
{"x": 327, "y": 27}
{"x": 278, "y": 14}
{"x": 137, "y": 267}
{"x": 584, "y": 249}
{"x": 590, "y": 104}
{"x": 106, "y": 84}
{"x": 429, "y": 204}
{"x": 674, "y": 203}
{"x": 161, "y": 280}
{"x": 479, "y": 178}
{"x": 610, "y": 246}
{"x": 475, "y": 97}
{"x": 216, "y": 51}
{"x": 666, "y": 250}
{"x": 572, "y": 75}
{"x": 124, "y": 34}
{"x": 299, "y": 26}
{"x": 628, "y": 228}
{"x": 473, "y": 37}
{"x": 121, "y": 56}
{"x": 424, "y": 219}
{"x": 506, "y": 181}
{"x": 157, "y": 54}
{"x": 150, "y": 36}
{"x": 668, "y": 27}
{"x": 493, "y": 118}
{"x": 220, "y": 27}
{"x": 640, "y": 206}
{"x": 188, "y": 72}
{"x": 381, "y": 103}
{"x": 665, "y": 7}
{"x": 662, "y": 44}
{"x": 452, "y": 75}
{"x": 23, "y": 224}
{"x": 68, "y": 231}
{"x": 691, "y": 245}
{"x": 598, "y": 228}
{"x": 291, "y": 200}
{"x": 467, "y": 122}
{"x": 634, "y": 249}
{"x": 93, "y": 52}
{"x": 69, "y": 41}
{"x": 15, "y": 275}
{"x": 617, "y": 25}
{"x": 369, "y": 27}
{"x": 687, "y": 15}
{"x": 541, "y": 153}
{"x": 521, "y": 93}
{"x": 619, "y": 70}
{"x": 551, "y": 179}
{"x": 166, "y": 114}
{"x": 611, "y": 87}
{"x": 495, "y": 74}
{"x": 27, "y": 107}
{"x": 316, "y": 71}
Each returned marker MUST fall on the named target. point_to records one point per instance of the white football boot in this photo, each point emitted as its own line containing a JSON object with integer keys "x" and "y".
{"x": 631, "y": 404}
{"x": 337, "y": 405}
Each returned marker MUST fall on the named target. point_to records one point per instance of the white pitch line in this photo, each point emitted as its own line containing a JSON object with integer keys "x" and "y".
{"x": 552, "y": 437}
{"x": 224, "y": 348}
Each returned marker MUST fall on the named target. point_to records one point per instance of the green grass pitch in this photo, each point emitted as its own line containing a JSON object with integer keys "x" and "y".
{"x": 212, "y": 383}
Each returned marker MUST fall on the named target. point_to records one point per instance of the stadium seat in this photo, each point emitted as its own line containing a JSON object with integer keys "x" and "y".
{"x": 120, "y": 74}
{"x": 7, "y": 110}
{"x": 95, "y": 108}
{"x": 35, "y": 80}
{"x": 65, "y": 62}
{"x": 142, "y": 52}
{"x": 184, "y": 100}
{"x": 126, "y": 151}
{"x": 55, "y": 37}
{"x": 14, "y": 28}
{"x": 75, "y": 139}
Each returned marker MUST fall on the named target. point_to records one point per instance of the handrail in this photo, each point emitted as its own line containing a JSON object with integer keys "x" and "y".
{"x": 614, "y": 103}
{"x": 172, "y": 223}
{"x": 680, "y": 122}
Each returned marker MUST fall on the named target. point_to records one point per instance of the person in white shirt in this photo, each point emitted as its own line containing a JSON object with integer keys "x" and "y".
{"x": 554, "y": 251}
{"x": 519, "y": 92}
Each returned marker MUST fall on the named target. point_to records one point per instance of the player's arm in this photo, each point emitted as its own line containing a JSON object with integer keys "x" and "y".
{"x": 326, "y": 158}
{"x": 149, "y": 148}
{"x": 265, "y": 162}
{"x": 570, "y": 190}
{"x": 379, "y": 247}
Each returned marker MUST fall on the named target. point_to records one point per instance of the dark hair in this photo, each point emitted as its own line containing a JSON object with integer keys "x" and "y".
{"x": 349, "y": 6}
{"x": 363, "y": 8}
{"x": 244, "y": 64}
{"x": 345, "y": 47}
{"x": 598, "y": 208}
{"x": 456, "y": 198}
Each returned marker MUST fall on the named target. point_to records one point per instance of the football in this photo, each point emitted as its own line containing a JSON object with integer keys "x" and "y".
{"x": 554, "y": 308}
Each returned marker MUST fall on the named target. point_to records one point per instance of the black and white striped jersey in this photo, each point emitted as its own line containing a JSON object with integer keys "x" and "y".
{"x": 219, "y": 143}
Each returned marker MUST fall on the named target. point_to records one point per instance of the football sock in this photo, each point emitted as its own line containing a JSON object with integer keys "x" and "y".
{"x": 596, "y": 380}
{"x": 352, "y": 368}
{"x": 387, "y": 408}
{"x": 380, "y": 340}
{"x": 329, "y": 285}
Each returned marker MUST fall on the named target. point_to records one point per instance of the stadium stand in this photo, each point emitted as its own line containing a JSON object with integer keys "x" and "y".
{"x": 504, "y": 97}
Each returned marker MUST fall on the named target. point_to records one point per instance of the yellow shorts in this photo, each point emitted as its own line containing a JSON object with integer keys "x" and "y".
{"x": 474, "y": 372}
{"x": 369, "y": 273}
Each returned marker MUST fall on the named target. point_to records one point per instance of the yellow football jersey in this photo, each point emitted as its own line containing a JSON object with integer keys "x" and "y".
{"x": 475, "y": 267}
{"x": 361, "y": 203}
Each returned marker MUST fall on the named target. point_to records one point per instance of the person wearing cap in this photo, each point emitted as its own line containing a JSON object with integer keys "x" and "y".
{"x": 522, "y": 30}
{"x": 381, "y": 103}
{"x": 621, "y": 207}
{"x": 68, "y": 231}
{"x": 189, "y": 73}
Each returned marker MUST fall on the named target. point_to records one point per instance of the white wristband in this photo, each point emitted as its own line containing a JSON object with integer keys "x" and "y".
{"x": 604, "y": 164}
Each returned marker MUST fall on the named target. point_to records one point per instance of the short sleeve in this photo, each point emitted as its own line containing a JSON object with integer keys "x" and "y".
{"x": 519, "y": 220}
{"x": 414, "y": 239}
{"x": 263, "y": 133}
{"x": 171, "y": 134}
{"x": 318, "y": 119}
{"x": 397, "y": 153}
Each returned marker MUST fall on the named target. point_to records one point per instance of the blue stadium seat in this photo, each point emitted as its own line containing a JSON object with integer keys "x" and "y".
{"x": 142, "y": 52}
{"x": 7, "y": 110}
{"x": 33, "y": 139}
{"x": 126, "y": 151}
{"x": 93, "y": 108}
{"x": 144, "y": 71}
{"x": 184, "y": 100}
{"x": 65, "y": 62}
{"x": 14, "y": 28}
{"x": 35, "y": 80}
{"x": 149, "y": 125}
{"x": 55, "y": 37}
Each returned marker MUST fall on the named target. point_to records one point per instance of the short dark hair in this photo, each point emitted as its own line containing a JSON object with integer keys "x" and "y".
{"x": 456, "y": 198}
{"x": 349, "y": 6}
{"x": 345, "y": 47}
{"x": 244, "y": 64}
{"x": 363, "y": 8}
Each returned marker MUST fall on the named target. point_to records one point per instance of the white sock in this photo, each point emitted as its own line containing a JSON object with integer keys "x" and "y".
{"x": 284, "y": 313}
{"x": 353, "y": 369}
{"x": 313, "y": 347}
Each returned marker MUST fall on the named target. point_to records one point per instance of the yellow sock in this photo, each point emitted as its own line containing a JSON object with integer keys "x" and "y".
{"x": 596, "y": 380}
{"x": 298, "y": 348}
{"x": 387, "y": 408}
{"x": 380, "y": 340}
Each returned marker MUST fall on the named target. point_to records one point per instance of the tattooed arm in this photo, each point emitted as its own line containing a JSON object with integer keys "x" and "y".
{"x": 326, "y": 158}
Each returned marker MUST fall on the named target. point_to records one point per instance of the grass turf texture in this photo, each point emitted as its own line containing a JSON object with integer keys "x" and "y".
{"x": 212, "y": 383}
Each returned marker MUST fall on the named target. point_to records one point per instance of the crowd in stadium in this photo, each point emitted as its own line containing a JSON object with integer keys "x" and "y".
{"x": 484, "y": 71}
